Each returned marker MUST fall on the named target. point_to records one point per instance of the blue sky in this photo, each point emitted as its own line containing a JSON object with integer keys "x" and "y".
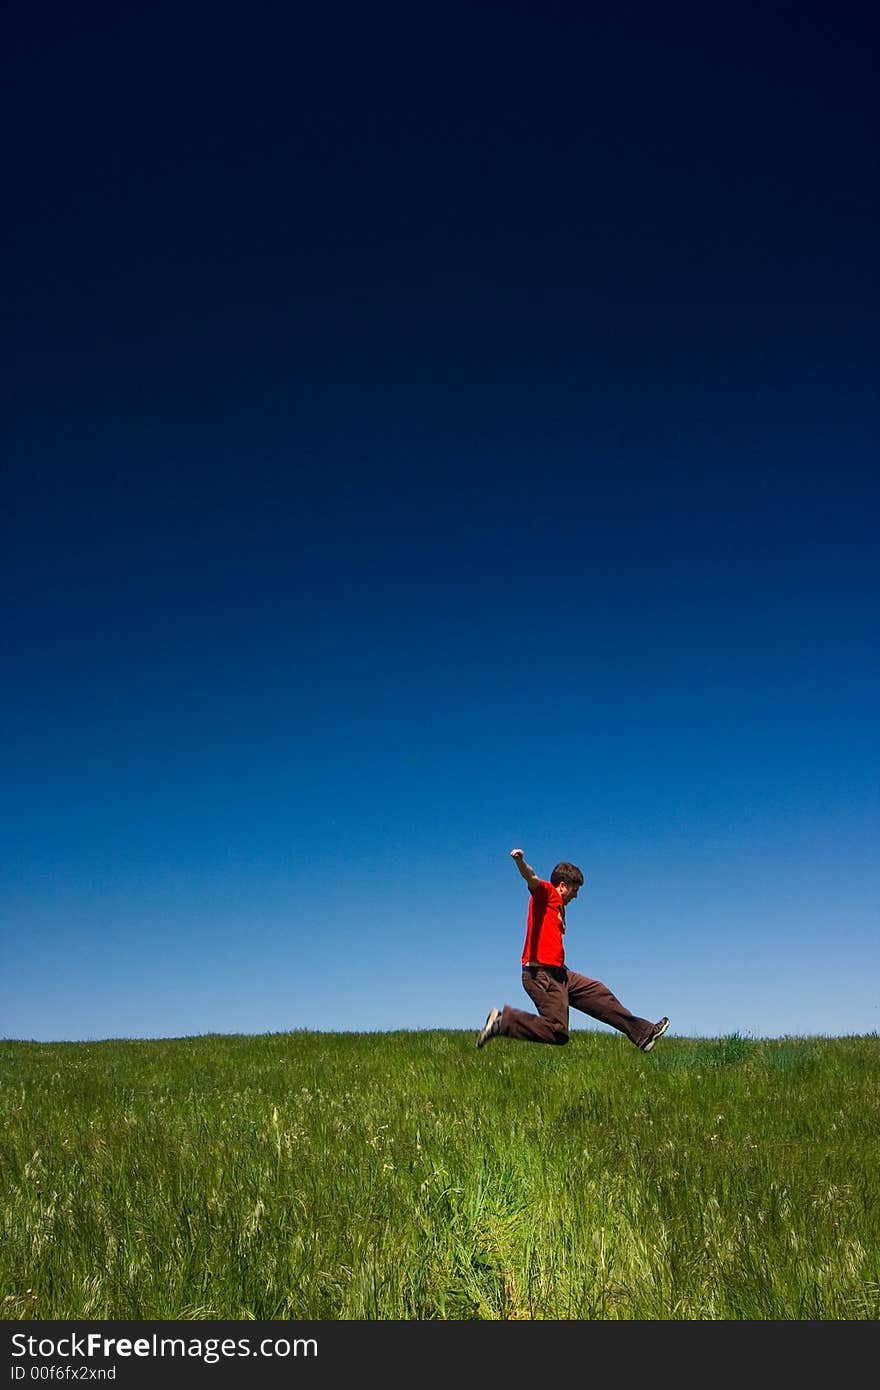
{"x": 420, "y": 449}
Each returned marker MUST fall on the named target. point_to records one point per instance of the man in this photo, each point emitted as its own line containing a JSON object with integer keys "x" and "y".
{"x": 550, "y": 985}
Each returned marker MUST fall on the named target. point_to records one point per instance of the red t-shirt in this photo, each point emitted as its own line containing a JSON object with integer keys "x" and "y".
{"x": 546, "y": 926}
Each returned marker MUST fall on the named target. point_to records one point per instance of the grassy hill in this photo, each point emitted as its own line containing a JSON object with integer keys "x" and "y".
{"x": 409, "y": 1176}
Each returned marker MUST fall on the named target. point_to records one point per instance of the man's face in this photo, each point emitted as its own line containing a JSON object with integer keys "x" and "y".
{"x": 567, "y": 893}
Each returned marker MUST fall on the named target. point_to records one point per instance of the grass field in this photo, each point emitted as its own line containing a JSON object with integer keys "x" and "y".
{"x": 409, "y": 1176}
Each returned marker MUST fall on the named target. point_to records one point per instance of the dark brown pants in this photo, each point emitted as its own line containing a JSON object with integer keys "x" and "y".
{"x": 552, "y": 989}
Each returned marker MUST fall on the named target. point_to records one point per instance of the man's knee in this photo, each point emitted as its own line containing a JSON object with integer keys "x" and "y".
{"x": 560, "y": 1035}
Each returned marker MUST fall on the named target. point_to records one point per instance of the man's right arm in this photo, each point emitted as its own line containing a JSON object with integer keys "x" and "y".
{"x": 525, "y": 869}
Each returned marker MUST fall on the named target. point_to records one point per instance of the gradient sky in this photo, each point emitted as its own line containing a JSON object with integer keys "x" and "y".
{"x": 430, "y": 433}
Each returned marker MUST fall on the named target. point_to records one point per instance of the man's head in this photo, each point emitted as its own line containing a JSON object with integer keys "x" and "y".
{"x": 567, "y": 878}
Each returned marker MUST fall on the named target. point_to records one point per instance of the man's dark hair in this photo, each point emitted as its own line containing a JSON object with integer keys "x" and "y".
{"x": 567, "y": 873}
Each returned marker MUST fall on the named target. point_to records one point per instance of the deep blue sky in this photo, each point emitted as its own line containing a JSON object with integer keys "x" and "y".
{"x": 429, "y": 433}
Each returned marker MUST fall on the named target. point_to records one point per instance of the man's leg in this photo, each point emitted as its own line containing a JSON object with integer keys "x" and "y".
{"x": 546, "y": 987}
{"x": 593, "y": 998}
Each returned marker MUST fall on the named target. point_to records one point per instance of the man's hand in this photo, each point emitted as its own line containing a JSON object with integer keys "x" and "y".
{"x": 525, "y": 869}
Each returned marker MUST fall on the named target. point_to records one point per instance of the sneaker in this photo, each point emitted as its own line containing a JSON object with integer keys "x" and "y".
{"x": 490, "y": 1028}
{"x": 659, "y": 1030}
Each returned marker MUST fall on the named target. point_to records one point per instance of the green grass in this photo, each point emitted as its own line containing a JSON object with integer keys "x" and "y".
{"x": 409, "y": 1176}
